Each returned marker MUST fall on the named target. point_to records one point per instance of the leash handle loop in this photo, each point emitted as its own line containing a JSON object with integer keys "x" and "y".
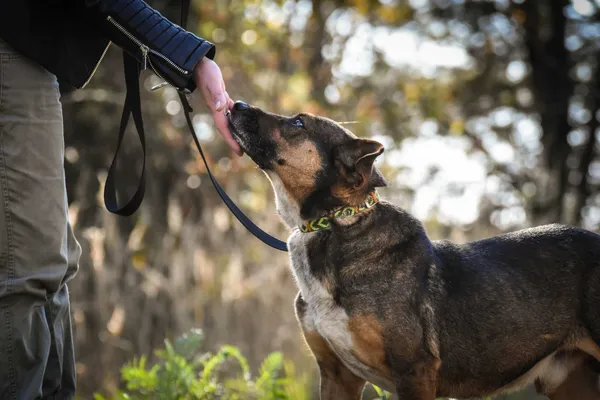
{"x": 133, "y": 107}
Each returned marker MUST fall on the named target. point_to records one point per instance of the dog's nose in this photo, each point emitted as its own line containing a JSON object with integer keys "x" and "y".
{"x": 240, "y": 106}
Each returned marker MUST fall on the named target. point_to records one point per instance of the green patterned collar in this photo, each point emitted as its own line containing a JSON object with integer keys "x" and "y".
{"x": 324, "y": 222}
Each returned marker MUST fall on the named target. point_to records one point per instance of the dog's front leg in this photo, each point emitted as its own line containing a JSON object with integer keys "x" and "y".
{"x": 419, "y": 382}
{"x": 337, "y": 381}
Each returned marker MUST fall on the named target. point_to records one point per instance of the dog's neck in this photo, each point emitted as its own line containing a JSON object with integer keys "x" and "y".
{"x": 289, "y": 209}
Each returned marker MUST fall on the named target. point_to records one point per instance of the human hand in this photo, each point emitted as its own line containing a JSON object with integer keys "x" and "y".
{"x": 208, "y": 78}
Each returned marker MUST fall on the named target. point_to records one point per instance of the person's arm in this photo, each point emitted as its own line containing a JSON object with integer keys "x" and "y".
{"x": 179, "y": 57}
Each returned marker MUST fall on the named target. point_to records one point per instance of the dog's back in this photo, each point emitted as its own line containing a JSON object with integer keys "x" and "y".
{"x": 516, "y": 299}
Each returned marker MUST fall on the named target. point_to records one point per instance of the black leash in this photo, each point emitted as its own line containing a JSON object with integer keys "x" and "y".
{"x": 133, "y": 107}
{"x": 247, "y": 222}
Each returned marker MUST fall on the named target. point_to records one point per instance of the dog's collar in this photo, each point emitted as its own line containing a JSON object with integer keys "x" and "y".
{"x": 324, "y": 222}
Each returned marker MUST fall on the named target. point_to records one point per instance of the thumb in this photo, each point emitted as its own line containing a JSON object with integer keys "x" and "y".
{"x": 220, "y": 101}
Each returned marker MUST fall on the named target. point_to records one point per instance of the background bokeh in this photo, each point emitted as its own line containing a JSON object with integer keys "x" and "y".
{"x": 488, "y": 110}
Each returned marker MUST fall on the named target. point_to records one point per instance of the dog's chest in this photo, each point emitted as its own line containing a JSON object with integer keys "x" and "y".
{"x": 326, "y": 317}
{"x": 322, "y": 313}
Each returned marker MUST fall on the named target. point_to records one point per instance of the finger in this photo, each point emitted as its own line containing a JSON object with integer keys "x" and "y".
{"x": 220, "y": 101}
{"x": 230, "y": 102}
{"x": 208, "y": 98}
{"x": 223, "y": 127}
{"x": 214, "y": 90}
{"x": 215, "y": 101}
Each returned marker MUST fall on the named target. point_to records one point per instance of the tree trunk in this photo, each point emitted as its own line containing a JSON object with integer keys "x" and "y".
{"x": 552, "y": 88}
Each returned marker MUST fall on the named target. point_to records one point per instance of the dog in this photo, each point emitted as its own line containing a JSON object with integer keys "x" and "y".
{"x": 380, "y": 302}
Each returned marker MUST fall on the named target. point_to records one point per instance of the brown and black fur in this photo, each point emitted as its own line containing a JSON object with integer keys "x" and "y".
{"x": 381, "y": 302}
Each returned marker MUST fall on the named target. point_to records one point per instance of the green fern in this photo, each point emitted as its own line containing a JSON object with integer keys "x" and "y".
{"x": 138, "y": 378}
{"x": 184, "y": 373}
{"x": 267, "y": 383}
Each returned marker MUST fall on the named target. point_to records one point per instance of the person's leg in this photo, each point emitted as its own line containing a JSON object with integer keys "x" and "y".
{"x": 38, "y": 253}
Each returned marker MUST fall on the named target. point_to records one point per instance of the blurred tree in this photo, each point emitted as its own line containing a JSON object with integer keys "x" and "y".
{"x": 535, "y": 74}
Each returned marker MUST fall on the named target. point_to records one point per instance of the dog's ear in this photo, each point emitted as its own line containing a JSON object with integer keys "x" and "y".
{"x": 354, "y": 160}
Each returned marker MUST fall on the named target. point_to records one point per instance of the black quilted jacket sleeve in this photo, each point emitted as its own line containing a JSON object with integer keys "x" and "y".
{"x": 170, "y": 51}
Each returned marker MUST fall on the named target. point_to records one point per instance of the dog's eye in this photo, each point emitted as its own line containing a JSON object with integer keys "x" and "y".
{"x": 298, "y": 122}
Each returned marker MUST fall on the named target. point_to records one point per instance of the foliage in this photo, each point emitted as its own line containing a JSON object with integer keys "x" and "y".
{"x": 183, "y": 372}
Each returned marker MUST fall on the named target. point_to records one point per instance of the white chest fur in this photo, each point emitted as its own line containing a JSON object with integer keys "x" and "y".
{"x": 329, "y": 319}
{"x": 324, "y": 315}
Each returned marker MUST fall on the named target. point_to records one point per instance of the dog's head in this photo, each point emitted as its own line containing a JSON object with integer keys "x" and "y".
{"x": 313, "y": 163}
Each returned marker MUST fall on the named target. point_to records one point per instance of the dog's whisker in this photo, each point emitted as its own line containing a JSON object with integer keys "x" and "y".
{"x": 347, "y": 122}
